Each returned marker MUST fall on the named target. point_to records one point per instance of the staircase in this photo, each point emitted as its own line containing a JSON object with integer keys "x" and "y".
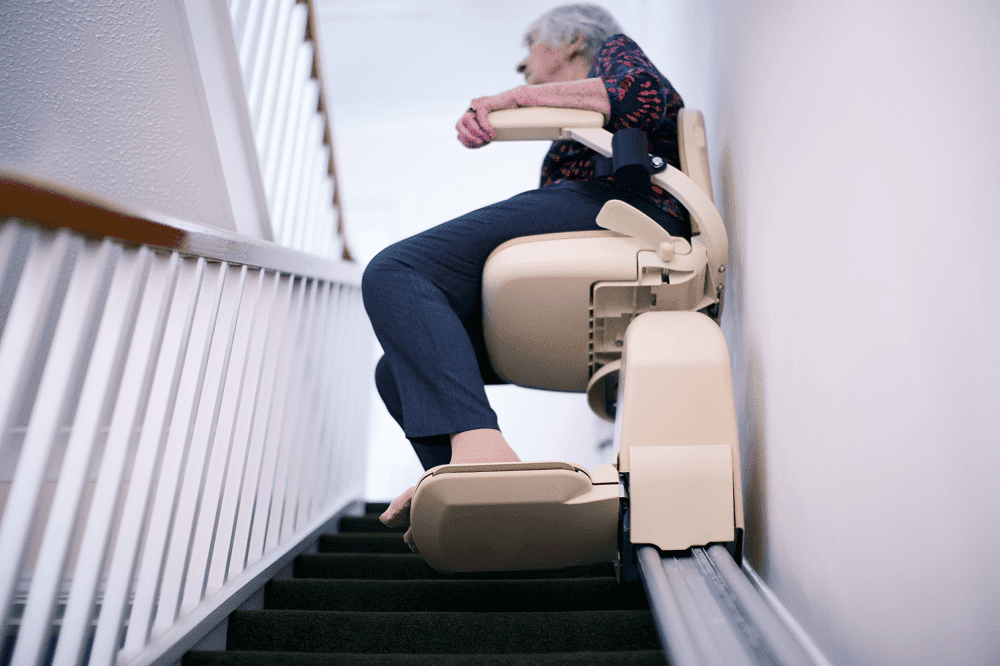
{"x": 365, "y": 599}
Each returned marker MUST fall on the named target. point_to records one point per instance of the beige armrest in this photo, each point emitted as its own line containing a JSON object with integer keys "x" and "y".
{"x": 541, "y": 123}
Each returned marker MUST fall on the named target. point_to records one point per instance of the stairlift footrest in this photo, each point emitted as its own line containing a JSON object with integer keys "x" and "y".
{"x": 681, "y": 496}
{"x": 515, "y": 516}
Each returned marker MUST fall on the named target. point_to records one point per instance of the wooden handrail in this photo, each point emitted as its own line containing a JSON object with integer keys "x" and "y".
{"x": 312, "y": 33}
{"x": 53, "y": 205}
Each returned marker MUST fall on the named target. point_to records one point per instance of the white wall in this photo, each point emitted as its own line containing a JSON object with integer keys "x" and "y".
{"x": 855, "y": 149}
{"x": 855, "y": 146}
{"x": 108, "y": 98}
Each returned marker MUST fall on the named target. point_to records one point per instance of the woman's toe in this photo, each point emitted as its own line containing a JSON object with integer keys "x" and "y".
{"x": 398, "y": 513}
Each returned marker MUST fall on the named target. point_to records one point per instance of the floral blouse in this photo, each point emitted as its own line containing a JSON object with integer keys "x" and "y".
{"x": 640, "y": 97}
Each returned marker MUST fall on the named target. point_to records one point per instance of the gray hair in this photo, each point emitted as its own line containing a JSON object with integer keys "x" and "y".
{"x": 563, "y": 25}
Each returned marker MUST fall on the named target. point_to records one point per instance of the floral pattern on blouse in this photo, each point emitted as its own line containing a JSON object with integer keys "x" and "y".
{"x": 640, "y": 97}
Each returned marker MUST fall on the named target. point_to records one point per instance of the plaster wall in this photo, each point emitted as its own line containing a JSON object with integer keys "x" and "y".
{"x": 106, "y": 96}
{"x": 855, "y": 152}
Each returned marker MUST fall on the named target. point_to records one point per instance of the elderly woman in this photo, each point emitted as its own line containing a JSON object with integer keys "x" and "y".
{"x": 423, "y": 294}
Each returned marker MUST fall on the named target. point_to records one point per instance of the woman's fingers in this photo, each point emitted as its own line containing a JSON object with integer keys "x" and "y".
{"x": 398, "y": 513}
{"x": 474, "y": 128}
{"x": 481, "y": 107}
{"x": 470, "y": 132}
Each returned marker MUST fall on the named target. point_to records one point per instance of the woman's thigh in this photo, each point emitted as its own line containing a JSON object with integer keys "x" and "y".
{"x": 452, "y": 255}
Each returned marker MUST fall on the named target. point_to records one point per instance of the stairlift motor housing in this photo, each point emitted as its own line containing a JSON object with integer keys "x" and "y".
{"x": 572, "y": 312}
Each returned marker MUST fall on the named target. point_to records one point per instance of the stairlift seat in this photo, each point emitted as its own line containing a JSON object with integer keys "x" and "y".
{"x": 557, "y": 311}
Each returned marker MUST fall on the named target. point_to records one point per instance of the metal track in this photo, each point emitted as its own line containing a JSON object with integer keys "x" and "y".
{"x": 707, "y": 612}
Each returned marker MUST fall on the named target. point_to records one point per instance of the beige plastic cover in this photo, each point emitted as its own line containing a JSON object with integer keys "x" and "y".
{"x": 681, "y": 496}
{"x": 536, "y": 304}
{"x": 540, "y": 122}
{"x": 676, "y": 390}
{"x": 515, "y": 516}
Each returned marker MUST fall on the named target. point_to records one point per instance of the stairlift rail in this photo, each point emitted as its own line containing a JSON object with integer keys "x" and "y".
{"x": 708, "y": 613}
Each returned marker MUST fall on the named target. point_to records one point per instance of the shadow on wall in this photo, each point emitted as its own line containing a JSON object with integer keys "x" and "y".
{"x": 753, "y": 432}
{"x": 748, "y": 381}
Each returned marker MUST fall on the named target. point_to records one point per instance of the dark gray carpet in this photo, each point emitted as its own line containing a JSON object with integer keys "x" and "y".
{"x": 366, "y": 600}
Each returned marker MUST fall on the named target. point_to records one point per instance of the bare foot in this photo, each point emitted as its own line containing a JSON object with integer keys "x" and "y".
{"x": 398, "y": 513}
{"x": 471, "y": 446}
{"x": 481, "y": 446}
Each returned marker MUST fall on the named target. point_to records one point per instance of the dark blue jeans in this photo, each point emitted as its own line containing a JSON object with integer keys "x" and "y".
{"x": 423, "y": 296}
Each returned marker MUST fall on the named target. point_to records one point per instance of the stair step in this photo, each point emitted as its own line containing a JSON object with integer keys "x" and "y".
{"x": 372, "y": 542}
{"x": 376, "y": 507}
{"x": 391, "y": 566}
{"x": 442, "y": 632}
{"x": 366, "y": 524}
{"x": 454, "y": 595}
{"x": 237, "y": 658}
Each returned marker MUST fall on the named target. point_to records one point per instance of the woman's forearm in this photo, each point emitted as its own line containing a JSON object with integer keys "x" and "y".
{"x": 474, "y": 128}
{"x": 588, "y": 94}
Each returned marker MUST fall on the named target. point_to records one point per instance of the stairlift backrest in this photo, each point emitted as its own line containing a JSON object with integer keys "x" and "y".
{"x": 694, "y": 148}
{"x": 545, "y": 123}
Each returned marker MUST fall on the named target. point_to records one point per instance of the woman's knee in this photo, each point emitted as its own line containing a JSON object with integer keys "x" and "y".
{"x": 379, "y": 275}
{"x": 385, "y": 384}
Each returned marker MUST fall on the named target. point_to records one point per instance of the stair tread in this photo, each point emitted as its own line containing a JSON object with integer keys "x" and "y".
{"x": 458, "y": 595}
{"x": 365, "y": 599}
{"x": 370, "y": 542}
{"x": 369, "y": 523}
{"x": 399, "y": 566}
{"x": 251, "y": 658}
{"x": 444, "y": 632}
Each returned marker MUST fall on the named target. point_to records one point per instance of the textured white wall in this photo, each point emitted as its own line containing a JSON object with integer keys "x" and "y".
{"x": 856, "y": 151}
{"x": 105, "y": 96}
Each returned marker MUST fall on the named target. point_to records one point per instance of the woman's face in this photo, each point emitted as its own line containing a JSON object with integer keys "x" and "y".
{"x": 545, "y": 64}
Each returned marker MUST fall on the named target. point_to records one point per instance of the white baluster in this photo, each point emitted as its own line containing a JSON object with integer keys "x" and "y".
{"x": 221, "y": 401}
{"x": 172, "y": 433}
{"x": 192, "y": 424}
{"x": 129, "y": 406}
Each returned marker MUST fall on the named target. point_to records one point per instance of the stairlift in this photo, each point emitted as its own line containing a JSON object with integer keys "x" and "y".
{"x": 618, "y": 314}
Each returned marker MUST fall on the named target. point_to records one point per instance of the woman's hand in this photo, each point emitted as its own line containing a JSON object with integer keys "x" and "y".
{"x": 474, "y": 129}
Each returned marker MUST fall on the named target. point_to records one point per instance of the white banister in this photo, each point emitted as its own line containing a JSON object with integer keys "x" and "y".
{"x": 281, "y": 77}
{"x": 179, "y": 409}
{"x": 176, "y": 417}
